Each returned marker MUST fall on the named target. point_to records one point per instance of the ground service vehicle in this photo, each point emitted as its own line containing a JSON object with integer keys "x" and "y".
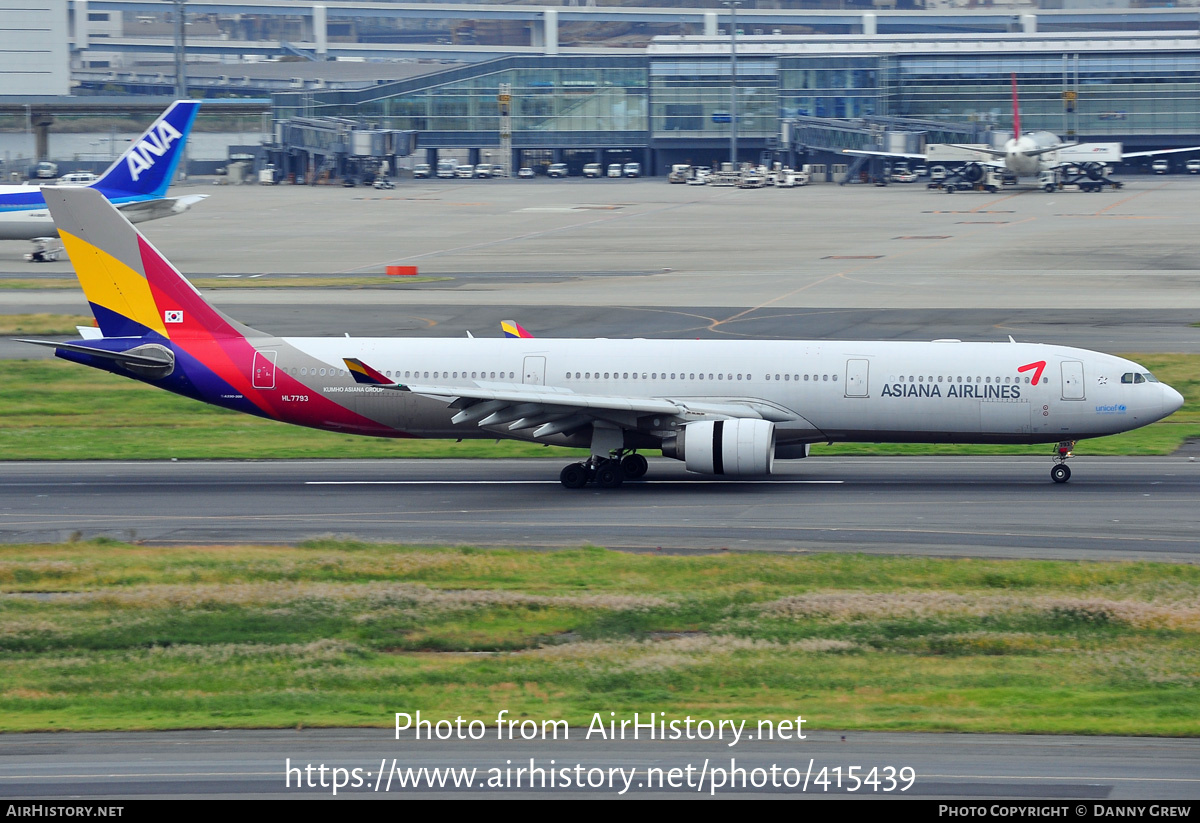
{"x": 593, "y": 170}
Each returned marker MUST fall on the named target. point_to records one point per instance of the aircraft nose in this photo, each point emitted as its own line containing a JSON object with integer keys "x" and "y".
{"x": 1172, "y": 400}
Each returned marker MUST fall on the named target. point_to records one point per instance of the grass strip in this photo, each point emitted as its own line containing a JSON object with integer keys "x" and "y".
{"x": 43, "y": 323}
{"x": 103, "y": 635}
{"x": 53, "y": 410}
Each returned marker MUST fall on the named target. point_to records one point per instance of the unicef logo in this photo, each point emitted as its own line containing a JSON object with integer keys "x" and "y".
{"x": 1117, "y": 409}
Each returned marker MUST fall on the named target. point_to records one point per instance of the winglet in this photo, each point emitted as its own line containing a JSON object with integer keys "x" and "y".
{"x": 514, "y": 329}
{"x": 362, "y": 373}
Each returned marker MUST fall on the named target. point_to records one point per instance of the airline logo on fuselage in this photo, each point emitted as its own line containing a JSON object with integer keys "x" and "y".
{"x": 154, "y": 144}
{"x": 990, "y": 392}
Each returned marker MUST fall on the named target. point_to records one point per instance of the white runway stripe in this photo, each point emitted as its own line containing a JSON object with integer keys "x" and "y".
{"x": 551, "y": 482}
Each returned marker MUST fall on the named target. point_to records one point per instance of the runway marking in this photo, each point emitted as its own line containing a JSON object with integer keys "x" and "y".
{"x": 552, "y": 482}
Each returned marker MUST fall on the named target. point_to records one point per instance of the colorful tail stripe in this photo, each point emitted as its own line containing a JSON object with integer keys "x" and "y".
{"x": 136, "y": 292}
{"x": 513, "y": 329}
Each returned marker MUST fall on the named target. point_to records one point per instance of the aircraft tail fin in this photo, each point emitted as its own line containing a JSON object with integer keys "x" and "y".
{"x": 148, "y": 165}
{"x": 133, "y": 290}
{"x": 1016, "y": 110}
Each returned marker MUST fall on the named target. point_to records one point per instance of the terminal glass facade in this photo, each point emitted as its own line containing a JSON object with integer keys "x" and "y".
{"x": 691, "y": 98}
{"x": 565, "y": 101}
{"x": 842, "y": 87}
{"x": 681, "y": 104}
{"x": 1093, "y": 94}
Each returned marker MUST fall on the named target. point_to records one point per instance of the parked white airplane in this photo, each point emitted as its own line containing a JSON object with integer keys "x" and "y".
{"x": 1028, "y": 155}
{"x": 723, "y": 407}
{"x": 136, "y": 182}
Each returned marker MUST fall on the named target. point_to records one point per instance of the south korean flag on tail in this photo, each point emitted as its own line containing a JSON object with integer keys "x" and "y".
{"x": 173, "y": 316}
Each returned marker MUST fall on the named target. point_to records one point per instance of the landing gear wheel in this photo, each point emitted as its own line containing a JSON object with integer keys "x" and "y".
{"x": 609, "y": 476}
{"x": 1060, "y": 473}
{"x": 574, "y": 476}
{"x": 634, "y": 466}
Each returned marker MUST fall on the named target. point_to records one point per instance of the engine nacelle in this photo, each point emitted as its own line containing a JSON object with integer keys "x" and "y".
{"x": 734, "y": 448}
{"x": 972, "y": 172}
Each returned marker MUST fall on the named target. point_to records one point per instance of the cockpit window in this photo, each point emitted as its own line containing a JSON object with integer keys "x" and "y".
{"x": 1134, "y": 377}
{"x": 1127, "y": 377}
{"x": 1150, "y": 378}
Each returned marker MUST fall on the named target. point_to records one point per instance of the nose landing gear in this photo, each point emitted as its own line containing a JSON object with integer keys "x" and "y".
{"x": 1061, "y": 472}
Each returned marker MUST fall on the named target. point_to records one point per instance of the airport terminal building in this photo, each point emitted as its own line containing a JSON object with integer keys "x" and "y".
{"x": 798, "y": 96}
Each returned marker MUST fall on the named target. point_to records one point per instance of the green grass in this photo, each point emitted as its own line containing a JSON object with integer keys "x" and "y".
{"x": 53, "y": 410}
{"x": 42, "y": 323}
{"x": 103, "y": 635}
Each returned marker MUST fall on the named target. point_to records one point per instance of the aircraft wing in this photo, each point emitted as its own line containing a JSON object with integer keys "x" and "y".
{"x": 138, "y": 211}
{"x": 898, "y": 154}
{"x": 1159, "y": 151}
{"x": 556, "y": 411}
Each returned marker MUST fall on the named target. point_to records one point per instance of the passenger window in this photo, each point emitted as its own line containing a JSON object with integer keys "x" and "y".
{"x": 835, "y": 378}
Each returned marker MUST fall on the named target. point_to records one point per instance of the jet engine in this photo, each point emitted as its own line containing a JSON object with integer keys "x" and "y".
{"x": 733, "y": 448}
{"x": 971, "y": 172}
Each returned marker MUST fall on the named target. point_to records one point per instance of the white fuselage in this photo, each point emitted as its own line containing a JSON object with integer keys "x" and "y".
{"x": 815, "y": 391}
{"x": 1019, "y": 157}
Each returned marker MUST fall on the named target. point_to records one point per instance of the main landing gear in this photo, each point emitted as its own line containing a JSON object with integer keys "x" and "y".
{"x": 1061, "y": 472}
{"x": 605, "y": 472}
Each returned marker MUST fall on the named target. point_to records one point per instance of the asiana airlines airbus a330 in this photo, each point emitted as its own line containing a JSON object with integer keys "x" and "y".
{"x": 723, "y": 407}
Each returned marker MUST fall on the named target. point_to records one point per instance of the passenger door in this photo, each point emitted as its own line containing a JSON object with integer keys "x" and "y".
{"x": 1072, "y": 380}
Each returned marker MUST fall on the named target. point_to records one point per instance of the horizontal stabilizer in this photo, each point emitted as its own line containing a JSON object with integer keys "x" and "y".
{"x": 144, "y": 356}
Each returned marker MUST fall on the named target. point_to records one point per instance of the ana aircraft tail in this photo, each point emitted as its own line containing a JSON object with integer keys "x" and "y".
{"x": 148, "y": 165}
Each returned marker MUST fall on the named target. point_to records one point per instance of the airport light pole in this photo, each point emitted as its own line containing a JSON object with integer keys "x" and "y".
{"x": 733, "y": 111}
{"x": 181, "y": 91}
